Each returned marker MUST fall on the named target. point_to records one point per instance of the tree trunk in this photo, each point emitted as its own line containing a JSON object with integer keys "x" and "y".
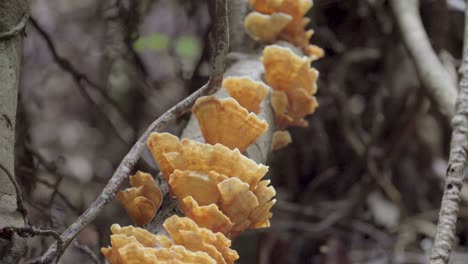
{"x": 13, "y": 17}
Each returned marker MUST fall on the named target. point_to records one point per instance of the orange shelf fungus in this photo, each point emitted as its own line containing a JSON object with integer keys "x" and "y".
{"x": 246, "y": 91}
{"x": 208, "y": 216}
{"x": 203, "y": 187}
{"x": 136, "y": 245}
{"x": 281, "y": 139}
{"x": 266, "y": 28}
{"x": 294, "y": 31}
{"x": 185, "y": 232}
{"x": 221, "y": 191}
{"x": 217, "y": 187}
{"x": 223, "y": 120}
{"x": 294, "y": 83}
{"x": 261, "y": 214}
{"x": 196, "y": 156}
{"x": 163, "y": 143}
{"x": 142, "y": 201}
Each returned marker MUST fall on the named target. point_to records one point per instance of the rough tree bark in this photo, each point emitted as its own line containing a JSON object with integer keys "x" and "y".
{"x": 446, "y": 227}
{"x": 13, "y": 17}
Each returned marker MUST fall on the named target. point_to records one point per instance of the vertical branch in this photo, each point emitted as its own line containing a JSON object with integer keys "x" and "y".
{"x": 445, "y": 236}
{"x": 432, "y": 73}
{"x": 13, "y": 16}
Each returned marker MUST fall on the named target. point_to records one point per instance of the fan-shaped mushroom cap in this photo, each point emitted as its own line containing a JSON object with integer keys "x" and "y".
{"x": 117, "y": 242}
{"x": 159, "y": 144}
{"x": 261, "y": 214}
{"x": 217, "y": 187}
{"x": 294, "y": 31}
{"x": 280, "y": 104}
{"x": 149, "y": 189}
{"x": 143, "y": 236}
{"x": 208, "y": 216}
{"x": 247, "y": 92}
{"x": 135, "y": 253}
{"x": 237, "y": 202}
{"x": 201, "y": 186}
{"x": 294, "y": 82}
{"x": 285, "y": 70}
{"x": 180, "y": 255}
{"x": 185, "y": 232}
{"x": 315, "y": 52}
{"x": 140, "y": 209}
{"x": 280, "y": 139}
{"x": 196, "y": 156}
{"x": 135, "y": 245}
{"x": 223, "y": 120}
{"x": 266, "y": 28}
{"x": 142, "y": 201}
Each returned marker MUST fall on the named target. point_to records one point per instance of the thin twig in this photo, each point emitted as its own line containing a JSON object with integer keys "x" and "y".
{"x": 19, "y": 197}
{"x": 126, "y": 166}
{"x": 59, "y": 194}
{"x": 49, "y": 166}
{"x": 81, "y": 79}
{"x": 28, "y": 231}
{"x": 87, "y": 251}
{"x": 432, "y": 73}
{"x": 448, "y": 214}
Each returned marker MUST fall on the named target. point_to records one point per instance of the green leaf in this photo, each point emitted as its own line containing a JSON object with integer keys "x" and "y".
{"x": 156, "y": 42}
{"x": 188, "y": 46}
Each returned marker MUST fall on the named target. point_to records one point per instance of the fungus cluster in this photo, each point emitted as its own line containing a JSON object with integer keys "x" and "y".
{"x": 282, "y": 20}
{"x": 217, "y": 187}
{"x": 223, "y": 120}
{"x": 292, "y": 79}
{"x": 142, "y": 200}
{"x": 222, "y": 192}
{"x": 189, "y": 244}
{"x": 294, "y": 85}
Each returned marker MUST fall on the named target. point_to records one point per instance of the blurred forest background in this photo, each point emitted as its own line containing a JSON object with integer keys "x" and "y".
{"x": 361, "y": 184}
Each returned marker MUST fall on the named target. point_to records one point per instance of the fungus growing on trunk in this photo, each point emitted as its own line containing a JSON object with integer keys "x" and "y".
{"x": 142, "y": 201}
{"x": 247, "y": 92}
{"x": 224, "y": 120}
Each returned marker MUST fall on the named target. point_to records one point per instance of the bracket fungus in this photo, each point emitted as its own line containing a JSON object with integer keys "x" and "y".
{"x": 223, "y": 120}
{"x": 266, "y": 28}
{"x": 196, "y": 156}
{"x": 215, "y": 183}
{"x": 281, "y": 139}
{"x": 221, "y": 191}
{"x": 293, "y": 31}
{"x": 186, "y": 232}
{"x": 142, "y": 201}
{"x": 189, "y": 244}
{"x": 246, "y": 91}
{"x": 294, "y": 83}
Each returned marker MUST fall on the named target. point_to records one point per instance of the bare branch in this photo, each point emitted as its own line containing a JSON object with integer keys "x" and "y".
{"x": 28, "y": 231}
{"x": 81, "y": 81}
{"x": 59, "y": 194}
{"x": 129, "y": 161}
{"x": 86, "y": 250}
{"x": 448, "y": 214}
{"x": 432, "y": 73}
{"x": 19, "y": 197}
